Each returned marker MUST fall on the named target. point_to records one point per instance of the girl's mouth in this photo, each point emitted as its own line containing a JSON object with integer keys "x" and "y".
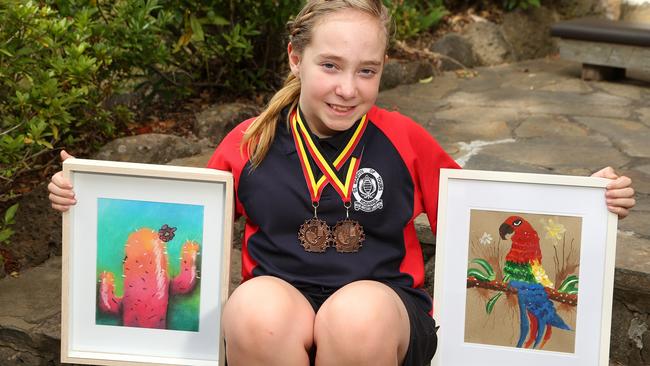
{"x": 340, "y": 108}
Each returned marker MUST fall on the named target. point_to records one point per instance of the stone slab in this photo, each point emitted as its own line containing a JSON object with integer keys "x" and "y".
{"x": 448, "y": 131}
{"x": 637, "y": 223}
{"x": 30, "y": 313}
{"x": 640, "y": 179}
{"x": 549, "y": 125}
{"x": 196, "y": 161}
{"x": 561, "y": 155}
{"x": 545, "y": 102}
{"x": 623, "y": 88}
{"x": 632, "y": 137}
{"x": 632, "y": 253}
{"x": 478, "y": 115}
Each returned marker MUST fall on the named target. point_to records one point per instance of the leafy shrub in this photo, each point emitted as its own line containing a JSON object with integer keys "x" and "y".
{"x": 5, "y": 225}
{"x": 520, "y": 4}
{"x": 412, "y": 17}
{"x": 50, "y": 85}
{"x": 61, "y": 61}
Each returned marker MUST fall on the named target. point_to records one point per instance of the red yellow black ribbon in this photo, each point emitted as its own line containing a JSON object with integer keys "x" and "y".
{"x": 306, "y": 147}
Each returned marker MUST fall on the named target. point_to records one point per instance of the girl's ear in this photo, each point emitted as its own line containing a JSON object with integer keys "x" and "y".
{"x": 294, "y": 60}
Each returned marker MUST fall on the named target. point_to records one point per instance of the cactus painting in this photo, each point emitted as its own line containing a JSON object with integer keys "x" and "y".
{"x": 148, "y": 264}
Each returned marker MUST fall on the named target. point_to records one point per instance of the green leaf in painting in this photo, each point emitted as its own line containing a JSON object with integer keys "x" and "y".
{"x": 473, "y": 272}
{"x": 486, "y": 266}
{"x": 490, "y": 304}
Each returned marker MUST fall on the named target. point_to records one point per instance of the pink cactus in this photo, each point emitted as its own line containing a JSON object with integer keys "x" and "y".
{"x": 146, "y": 280}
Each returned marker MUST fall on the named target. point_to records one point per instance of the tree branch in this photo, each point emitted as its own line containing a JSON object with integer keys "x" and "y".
{"x": 553, "y": 294}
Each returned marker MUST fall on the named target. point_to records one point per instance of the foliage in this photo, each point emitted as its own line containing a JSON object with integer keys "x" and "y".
{"x": 63, "y": 61}
{"x": 508, "y": 5}
{"x": 412, "y": 17}
{"x": 50, "y": 83}
{"x": 520, "y": 4}
{"x": 5, "y": 225}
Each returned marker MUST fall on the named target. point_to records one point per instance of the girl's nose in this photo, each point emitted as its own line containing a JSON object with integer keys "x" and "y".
{"x": 346, "y": 87}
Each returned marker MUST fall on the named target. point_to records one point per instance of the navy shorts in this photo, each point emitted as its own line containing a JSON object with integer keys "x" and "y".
{"x": 423, "y": 340}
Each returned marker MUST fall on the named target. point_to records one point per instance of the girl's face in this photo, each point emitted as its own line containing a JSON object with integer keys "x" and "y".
{"x": 339, "y": 70}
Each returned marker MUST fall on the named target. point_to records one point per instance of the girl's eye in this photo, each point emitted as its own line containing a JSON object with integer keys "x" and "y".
{"x": 368, "y": 72}
{"x": 328, "y": 66}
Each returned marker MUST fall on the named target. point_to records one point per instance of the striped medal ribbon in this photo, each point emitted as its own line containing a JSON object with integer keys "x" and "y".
{"x": 315, "y": 235}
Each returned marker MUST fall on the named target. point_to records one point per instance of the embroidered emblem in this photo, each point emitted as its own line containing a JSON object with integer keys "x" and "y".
{"x": 367, "y": 190}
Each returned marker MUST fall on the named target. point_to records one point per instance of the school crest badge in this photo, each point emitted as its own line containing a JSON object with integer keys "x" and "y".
{"x": 367, "y": 190}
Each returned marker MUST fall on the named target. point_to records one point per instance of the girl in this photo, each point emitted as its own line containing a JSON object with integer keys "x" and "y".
{"x": 330, "y": 185}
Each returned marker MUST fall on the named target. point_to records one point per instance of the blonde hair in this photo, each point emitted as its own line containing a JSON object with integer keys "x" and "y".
{"x": 259, "y": 136}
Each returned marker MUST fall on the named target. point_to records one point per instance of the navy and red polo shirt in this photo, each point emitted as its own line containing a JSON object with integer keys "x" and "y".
{"x": 396, "y": 181}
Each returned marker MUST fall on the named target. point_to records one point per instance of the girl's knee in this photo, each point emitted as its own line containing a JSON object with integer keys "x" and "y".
{"x": 366, "y": 315}
{"x": 267, "y": 310}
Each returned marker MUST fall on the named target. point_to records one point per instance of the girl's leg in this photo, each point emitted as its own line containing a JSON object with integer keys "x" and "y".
{"x": 363, "y": 323}
{"x": 268, "y": 322}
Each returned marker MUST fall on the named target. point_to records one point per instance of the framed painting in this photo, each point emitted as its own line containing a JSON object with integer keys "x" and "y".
{"x": 146, "y": 254}
{"x": 524, "y": 269}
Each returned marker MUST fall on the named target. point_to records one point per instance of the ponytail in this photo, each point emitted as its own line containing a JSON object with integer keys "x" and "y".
{"x": 260, "y": 134}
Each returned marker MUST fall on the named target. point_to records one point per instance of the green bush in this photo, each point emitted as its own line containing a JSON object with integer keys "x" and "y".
{"x": 62, "y": 60}
{"x": 5, "y": 225}
{"x": 412, "y": 17}
{"x": 520, "y": 4}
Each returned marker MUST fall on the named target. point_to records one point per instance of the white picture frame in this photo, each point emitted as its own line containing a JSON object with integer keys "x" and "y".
{"x": 118, "y": 205}
{"x": 471, "y": 198}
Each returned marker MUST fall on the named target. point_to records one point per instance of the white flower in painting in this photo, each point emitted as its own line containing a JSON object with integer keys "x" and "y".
{"x": 485, "y": 239}
{"x": 554, "y": 230}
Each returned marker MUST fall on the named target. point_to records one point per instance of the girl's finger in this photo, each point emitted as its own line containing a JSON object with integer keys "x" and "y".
{"x": 620, "y": 193}
{"x": 620, "y": 182}
{"x": 56, "y": 190}
{"x": 59, "y": 200}
{"x": 622, "y": 202}
{"x": 64, "y": 155}
{"x": 607, "y": 172}
{"x": 60, "y": 207}
{"x": 60, "y": 181}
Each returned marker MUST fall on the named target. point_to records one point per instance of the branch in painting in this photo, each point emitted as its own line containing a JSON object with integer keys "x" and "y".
{"x": 553, "y": 294}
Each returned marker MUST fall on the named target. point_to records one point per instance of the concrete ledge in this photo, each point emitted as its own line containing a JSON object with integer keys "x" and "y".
{"x": 605, "y": 54}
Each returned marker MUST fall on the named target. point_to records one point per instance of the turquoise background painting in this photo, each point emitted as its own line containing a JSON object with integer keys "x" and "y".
{"x": 117, "y": 218}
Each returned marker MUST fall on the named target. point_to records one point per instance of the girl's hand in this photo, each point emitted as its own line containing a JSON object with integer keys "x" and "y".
{"x": 620, "y": 194}
{"x": 61, "y": 193}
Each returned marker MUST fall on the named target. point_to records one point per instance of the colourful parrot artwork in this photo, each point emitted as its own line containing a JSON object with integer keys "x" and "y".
{"x": 525, "y": 273}
{"x": 521, "y": 256}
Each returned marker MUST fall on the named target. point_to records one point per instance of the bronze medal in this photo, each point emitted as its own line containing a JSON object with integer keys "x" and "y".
{"x": 348, "y": 236}
{"x": 315, "y": 235}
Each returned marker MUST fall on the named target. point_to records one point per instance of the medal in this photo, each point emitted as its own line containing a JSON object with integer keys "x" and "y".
{"x": 315, "y": 235}
{"x": 348, "y": 234}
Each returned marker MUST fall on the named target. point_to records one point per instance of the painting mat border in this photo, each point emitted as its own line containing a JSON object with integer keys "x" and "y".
{"x": 136, "y": 170}
{"x": 609, "y": 253}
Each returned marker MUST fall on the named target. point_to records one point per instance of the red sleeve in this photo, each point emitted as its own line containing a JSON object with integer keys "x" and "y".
{"x": 422, "y": 155}
{"x": 229, "y": 157}
{"x": 430, "y": 159}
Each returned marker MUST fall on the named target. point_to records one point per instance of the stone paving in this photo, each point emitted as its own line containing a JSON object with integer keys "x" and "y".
{"x": 539, "y": 117}
{"x": 535, "y": 116}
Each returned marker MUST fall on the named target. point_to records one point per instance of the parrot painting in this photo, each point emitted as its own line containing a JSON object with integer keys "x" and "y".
{"x": 524, "y": 272}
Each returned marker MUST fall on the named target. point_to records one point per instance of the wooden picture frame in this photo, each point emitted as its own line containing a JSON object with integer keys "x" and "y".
{"x": 146, "y": 257}
{"x": 510, "y": 244}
